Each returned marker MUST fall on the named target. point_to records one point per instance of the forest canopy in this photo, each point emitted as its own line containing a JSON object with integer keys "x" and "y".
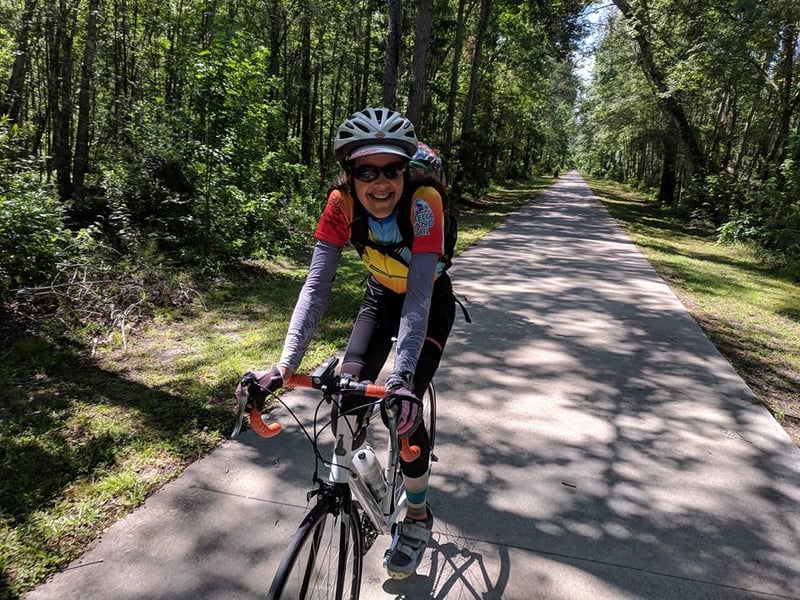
{"x": 143, "y": 135}
{"x": 699, "y": 101}
{"x": 140, "y": 138}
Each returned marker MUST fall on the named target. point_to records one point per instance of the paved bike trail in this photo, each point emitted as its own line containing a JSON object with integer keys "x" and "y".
{"x": 592, "y": 443}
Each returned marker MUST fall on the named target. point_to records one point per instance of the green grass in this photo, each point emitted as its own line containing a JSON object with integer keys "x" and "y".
{"x": 751, "y": 311}
{"x": 85, "y": 439}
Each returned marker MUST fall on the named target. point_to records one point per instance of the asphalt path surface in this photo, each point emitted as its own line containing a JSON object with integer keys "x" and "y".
{"x": 592, "y": 444}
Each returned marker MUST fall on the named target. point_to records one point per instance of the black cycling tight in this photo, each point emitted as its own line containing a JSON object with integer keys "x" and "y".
{"x": 372, "y": 338}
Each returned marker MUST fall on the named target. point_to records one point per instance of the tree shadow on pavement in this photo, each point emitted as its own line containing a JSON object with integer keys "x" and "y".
{"x": 585, "y": 417}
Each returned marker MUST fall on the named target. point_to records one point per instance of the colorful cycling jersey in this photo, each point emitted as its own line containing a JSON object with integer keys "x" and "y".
{"x": 390, "y": 268}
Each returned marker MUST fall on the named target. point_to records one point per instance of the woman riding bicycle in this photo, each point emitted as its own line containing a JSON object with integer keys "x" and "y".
{"x": 395, "y": 219}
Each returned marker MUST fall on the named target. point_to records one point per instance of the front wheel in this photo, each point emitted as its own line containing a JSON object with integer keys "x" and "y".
{"x": 429, "y": 413}
{"x": 323, "y": 559}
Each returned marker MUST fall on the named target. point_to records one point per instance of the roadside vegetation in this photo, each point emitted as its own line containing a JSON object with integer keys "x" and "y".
{"x": 746, "y": 301}
{"x": 88, "y": 428}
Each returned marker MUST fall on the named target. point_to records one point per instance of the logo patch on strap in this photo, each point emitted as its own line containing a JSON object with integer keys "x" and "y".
{"x": 423, "y": 218}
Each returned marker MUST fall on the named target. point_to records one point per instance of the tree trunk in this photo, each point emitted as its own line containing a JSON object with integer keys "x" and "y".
{"x": 714, "y": 136}
{"x": 174, "y": 70}
{"x": 731, "y": 126}
{"x": 392, "y": 53}
{"x": 81, "y": 161}
{"x": 121, "y": 76}
{"x": 754, "y": 105}
{"x": 449, "y": 123}
{"x": 458, "y": 44}
{"x": 306, "y": 126}
{"x": 12, "y": 101}
{"x": 779, "y": 146}
{"x": 419, "y": 69}
{"x": 276, "y": 37}
{"x": 333, "y": 122}
{"x": 480, "y": 34}
{"x": 365, "y": 58}
{"x": 669, "y": 172}
{"x": 667, "y": 102}
{"x": 60, "y": 37}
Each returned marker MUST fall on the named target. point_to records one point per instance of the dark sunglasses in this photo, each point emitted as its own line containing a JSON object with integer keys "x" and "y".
{"x": 370, "y": 173}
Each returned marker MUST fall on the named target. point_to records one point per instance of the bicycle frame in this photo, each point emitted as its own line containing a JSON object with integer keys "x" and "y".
{"x": 381, "y": 514}
{"x": 346, "y": 507}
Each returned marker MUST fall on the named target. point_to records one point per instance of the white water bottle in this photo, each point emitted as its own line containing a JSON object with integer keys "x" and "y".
{"x": 369, "y": 469}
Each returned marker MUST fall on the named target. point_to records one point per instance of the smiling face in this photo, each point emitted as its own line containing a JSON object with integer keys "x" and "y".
{"x": 379, "y": 197}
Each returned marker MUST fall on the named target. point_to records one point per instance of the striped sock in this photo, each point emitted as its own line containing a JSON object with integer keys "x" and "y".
{"x": 416, "y": 495}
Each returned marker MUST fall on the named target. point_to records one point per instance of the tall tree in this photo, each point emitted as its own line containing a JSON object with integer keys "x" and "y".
{"x": 62, "y": 23}
{"x": 392, "y": 53}
{"x": 480, "y": 36}
{"x": 81, "y": 159}
{"x": 788, "y": 97}
{"x": 12, "y": 100}
{"x": 668, "y": 102}
{"x": 366, "y": 56}
{"x": 306, "y": 125}
{"x": 455, "y": 66}
{"x": 419, "y": 66}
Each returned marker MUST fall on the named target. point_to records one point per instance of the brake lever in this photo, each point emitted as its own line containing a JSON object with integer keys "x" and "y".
{"x": 247, "y": 380}
{"x": 243, "y": 397}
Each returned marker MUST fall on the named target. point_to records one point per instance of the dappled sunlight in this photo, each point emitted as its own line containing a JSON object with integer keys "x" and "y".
{"x": 604, "y": 414}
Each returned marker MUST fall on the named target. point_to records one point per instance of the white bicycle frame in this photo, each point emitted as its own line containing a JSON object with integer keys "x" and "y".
{"x": 382, "y": 514}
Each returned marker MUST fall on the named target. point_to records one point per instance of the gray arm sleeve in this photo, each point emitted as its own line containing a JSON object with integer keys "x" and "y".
{"x": 416, "y": 307}
{"x": 311, "y": 303}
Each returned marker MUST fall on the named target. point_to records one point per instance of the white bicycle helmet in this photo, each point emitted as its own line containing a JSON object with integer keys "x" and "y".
{"x": 375, "y": 131}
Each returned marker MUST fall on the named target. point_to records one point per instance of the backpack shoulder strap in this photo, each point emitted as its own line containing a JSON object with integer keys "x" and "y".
{"x": 359, "y": 229}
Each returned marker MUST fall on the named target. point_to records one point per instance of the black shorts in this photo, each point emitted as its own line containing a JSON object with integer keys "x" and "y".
{"x": 371, "y": 342}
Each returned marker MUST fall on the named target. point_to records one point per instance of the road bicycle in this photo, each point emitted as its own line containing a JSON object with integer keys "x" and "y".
{"x": 359, "y": 500}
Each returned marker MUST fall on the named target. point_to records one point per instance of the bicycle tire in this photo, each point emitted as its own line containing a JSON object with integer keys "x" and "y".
{"x": 429, "y": 413}
{"x": 323, "y": 559}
